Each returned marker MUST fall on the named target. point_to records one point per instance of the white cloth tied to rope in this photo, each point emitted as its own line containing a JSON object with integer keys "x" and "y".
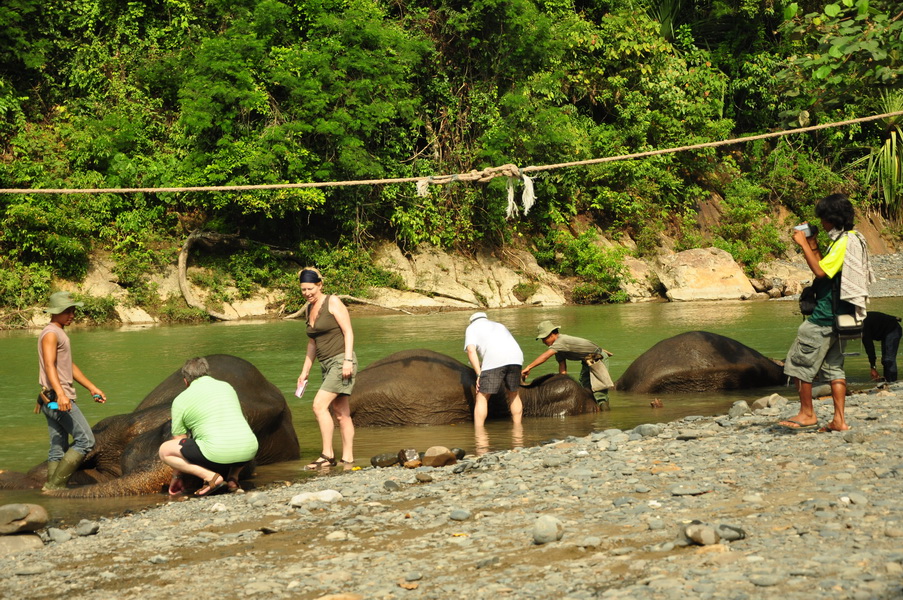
{"x": 512, "y": 172}
{"x": 528, "y": 197}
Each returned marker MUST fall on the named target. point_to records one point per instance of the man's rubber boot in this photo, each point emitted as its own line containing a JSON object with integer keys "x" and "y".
{"x": 67, "y": 466}
{"x": 51, "y": 468}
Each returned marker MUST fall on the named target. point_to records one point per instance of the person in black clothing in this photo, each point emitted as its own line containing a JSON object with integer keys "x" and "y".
{"x": 879, "y": 326}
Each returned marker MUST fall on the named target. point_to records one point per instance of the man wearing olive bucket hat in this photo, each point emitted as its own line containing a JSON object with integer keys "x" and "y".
{"x": 594, "y": 374}
{"x": 57, "y": 398}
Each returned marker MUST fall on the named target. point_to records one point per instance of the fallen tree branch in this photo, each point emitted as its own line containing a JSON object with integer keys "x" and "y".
{"x": 192, "y": 301}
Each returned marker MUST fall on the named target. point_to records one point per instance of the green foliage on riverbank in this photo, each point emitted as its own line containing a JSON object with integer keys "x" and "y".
{"x": 229, "y": 92}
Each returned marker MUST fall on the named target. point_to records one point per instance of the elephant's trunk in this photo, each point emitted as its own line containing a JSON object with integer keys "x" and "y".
{"x": 150, "y": 481}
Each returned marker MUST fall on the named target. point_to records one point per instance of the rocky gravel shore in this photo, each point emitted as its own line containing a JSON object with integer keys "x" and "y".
{"x": 723, "y": 507}
{"x": 888, "y": 269}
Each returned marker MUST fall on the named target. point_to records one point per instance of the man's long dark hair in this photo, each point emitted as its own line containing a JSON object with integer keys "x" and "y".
{"x": 837, "y": 210}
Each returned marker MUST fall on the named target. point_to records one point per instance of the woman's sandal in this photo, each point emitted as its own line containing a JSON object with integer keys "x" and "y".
{"x": 321, "y": 462}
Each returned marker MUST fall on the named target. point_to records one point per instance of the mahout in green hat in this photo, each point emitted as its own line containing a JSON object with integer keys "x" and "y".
{"x": 545, "y": 329}
{"x": 60, "y": 301}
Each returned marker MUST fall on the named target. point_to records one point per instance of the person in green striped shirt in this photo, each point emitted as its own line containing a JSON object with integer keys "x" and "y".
{"x": 211, "y": 437}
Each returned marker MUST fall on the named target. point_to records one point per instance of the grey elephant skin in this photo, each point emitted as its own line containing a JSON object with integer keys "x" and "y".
{"x": 699, "y": 361}
{"x": 125, "y": 462}
{"x": 422, "y": 387}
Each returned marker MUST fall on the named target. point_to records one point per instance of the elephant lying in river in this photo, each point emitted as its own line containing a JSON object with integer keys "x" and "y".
{"x": 125, "y": 461}
{"x": 422, "y": 387}
{"x": 699, "y": 361}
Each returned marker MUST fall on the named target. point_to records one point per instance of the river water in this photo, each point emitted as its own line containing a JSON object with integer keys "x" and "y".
{"x": 128, "y": 362}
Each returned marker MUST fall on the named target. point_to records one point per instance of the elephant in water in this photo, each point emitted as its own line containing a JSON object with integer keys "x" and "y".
{"x": 422, "y": 387}
{"x": 125, "y": 462}
{"x": 699, "y": 361}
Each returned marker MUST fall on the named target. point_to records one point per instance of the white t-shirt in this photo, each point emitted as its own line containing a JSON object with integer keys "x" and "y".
{"x": 495, "y": 344}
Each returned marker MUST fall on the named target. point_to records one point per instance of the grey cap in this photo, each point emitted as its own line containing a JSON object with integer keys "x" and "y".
{"x": 545, "y": 329}
{"x": 478, "y": 315}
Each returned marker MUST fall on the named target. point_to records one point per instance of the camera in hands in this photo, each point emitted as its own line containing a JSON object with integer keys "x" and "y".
{"x": 807, "y": 229}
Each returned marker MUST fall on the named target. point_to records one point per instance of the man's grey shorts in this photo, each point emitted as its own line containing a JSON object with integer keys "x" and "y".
{"x": 492, "y": 380}
{"x": 815, "y": 349}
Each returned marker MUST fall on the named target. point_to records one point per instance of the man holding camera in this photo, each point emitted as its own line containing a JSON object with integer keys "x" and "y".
{"x": 817, "y": 348}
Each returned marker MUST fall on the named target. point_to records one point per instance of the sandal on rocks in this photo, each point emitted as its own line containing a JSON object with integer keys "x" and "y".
{"x": 322, "y": 461}
{"x": 211, "y": 485}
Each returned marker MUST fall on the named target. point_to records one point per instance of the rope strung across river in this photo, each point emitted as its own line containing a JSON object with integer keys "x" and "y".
{"x": 488, "y": 174}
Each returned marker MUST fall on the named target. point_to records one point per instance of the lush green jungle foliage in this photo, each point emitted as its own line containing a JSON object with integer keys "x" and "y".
{"x": 117, "y": 93}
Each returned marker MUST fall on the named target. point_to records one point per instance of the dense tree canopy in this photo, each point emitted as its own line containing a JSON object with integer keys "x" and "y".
{"x": 112, "y": 93}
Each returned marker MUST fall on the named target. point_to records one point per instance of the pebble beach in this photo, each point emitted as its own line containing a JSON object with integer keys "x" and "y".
{"x": 723, "y": 507}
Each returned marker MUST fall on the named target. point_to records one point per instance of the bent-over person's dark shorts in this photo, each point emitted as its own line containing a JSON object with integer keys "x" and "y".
{"x": 492, "y": 380}
{"x": 192, "y": 453}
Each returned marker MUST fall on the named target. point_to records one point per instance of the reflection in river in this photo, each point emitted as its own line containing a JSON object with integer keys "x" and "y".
{"x": 128, "y": 362}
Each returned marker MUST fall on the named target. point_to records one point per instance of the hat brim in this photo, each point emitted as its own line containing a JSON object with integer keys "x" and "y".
{"x": 55, "y": 310}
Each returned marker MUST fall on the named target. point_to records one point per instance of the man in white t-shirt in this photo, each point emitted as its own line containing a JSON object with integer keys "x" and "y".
{"x": 497, "y": 359}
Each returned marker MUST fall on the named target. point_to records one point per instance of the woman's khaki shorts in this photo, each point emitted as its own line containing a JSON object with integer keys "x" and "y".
{"x": 332, "y": 375}
{"x": 815, "y": 349}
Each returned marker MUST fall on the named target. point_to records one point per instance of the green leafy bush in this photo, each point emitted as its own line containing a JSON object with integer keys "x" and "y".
{"x": 745, "y": 230}
{"x": 603, "y": 270}
{"x": 176, "y": 311}
{"x": 22, "y": 287}
{"x": 97, "y": 310}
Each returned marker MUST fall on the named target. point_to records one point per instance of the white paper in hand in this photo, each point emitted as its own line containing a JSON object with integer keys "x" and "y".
{"x": 300, "y": 390}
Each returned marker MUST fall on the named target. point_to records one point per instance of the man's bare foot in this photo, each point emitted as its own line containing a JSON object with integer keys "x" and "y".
{"x": 831, "y": 427}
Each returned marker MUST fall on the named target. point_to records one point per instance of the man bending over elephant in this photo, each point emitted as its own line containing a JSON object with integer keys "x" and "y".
{"x": 594, "y": 374}
{"x": 501, "y": 357}
{"x": 221, "y": 442}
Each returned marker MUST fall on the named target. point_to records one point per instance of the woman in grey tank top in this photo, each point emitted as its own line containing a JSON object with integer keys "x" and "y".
{"x": 331, "y": 341}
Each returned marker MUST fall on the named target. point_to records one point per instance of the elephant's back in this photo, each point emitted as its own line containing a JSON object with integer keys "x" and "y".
{"x": 417, "y": 359}
{"x": 239, "y": 373}
{"x": 413, "y": 387}
{"x": 698, "y": 361}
